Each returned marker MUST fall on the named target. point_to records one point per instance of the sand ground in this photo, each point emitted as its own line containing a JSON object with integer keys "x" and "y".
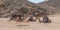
{"x": 55, "y": 25}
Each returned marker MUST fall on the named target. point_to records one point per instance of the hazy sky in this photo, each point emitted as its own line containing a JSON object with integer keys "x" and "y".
{"x": 36, "y": 1}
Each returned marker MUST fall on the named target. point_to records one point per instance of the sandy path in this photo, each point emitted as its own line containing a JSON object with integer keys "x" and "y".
{"x": 55, "y": 25}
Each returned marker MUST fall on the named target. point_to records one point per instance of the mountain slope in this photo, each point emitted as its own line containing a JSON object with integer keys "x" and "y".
{"x": 9, "y": 7}
{"x": 51, "y": 5}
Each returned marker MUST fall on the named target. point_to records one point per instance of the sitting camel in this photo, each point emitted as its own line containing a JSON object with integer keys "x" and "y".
{"x": 15, "y": 18}
{"x": 32, "y": 19}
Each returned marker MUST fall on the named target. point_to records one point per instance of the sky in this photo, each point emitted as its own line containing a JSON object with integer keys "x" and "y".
{"x": 36, "y": 1}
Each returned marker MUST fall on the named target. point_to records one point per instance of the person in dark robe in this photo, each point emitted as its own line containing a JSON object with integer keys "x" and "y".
{"x": 45, "y": 19}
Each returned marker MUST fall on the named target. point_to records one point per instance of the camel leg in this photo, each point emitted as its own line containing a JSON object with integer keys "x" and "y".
{"x": 26, "y": 19}
{"x": 37, "y": 18}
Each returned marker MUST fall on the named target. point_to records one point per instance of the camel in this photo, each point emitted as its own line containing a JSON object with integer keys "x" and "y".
{"x": 32, "y": 18}
{"x": 15, "y": 18}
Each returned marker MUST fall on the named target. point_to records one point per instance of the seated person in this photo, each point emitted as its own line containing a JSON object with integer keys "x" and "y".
{"x": 46, "y": 19}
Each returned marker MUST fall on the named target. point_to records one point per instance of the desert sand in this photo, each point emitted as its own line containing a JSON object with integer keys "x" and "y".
{"x": 55, "y": 25}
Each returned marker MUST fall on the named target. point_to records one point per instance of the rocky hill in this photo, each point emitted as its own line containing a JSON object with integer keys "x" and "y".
{"x": 10, "y": 7}
{"x": 51, "y": 5}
